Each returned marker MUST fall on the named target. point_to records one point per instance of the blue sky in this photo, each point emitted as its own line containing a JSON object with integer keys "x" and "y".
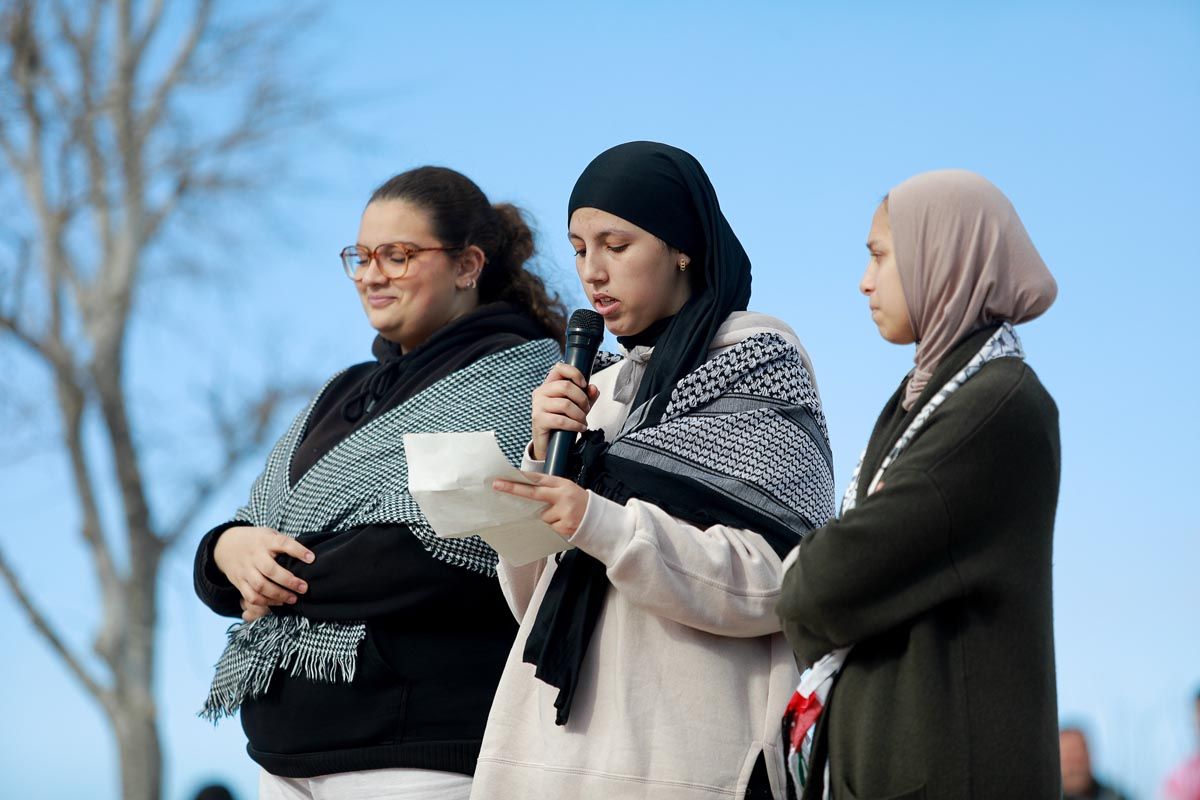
{"x": 804, "y": 115}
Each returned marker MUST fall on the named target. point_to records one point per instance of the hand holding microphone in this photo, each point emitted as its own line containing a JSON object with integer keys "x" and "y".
{"x": 562, "y": 402}
{"x": 560, "y": 408}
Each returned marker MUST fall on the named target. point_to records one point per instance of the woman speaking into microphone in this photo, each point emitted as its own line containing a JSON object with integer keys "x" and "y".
{"x": 649, "y": 660}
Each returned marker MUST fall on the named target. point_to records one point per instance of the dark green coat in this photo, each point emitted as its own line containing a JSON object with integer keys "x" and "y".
{"x": 941, "y": 581}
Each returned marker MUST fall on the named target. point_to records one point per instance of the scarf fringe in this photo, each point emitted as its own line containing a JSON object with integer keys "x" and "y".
{"x": 256, "y": 649}
{"x": 317, "y": 665}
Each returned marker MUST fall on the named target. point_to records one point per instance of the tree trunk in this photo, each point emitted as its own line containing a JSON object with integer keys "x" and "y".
{"x": 136, "y": 725}
{"x": 134, "y": 712}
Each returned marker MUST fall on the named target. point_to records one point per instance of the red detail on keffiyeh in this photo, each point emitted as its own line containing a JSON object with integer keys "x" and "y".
{"x": 802, "y": 713}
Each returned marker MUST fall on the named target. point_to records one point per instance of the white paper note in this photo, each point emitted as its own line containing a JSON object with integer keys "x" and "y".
{"x": 450, "y": 476}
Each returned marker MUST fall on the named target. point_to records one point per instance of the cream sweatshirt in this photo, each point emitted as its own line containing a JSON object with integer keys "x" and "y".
{"x": 687, "y": 673}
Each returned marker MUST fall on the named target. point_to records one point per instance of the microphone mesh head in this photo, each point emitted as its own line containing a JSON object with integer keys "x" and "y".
{"x": 587, "y": 322}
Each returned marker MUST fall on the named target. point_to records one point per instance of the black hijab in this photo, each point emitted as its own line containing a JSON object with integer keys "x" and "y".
{"x": 662, "y": 190}
{"x": 665, "y": 191}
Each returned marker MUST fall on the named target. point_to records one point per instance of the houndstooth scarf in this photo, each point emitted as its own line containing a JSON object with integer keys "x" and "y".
{"x": 742, "y": 442}
{"x": 363, "y": 480}
{"x": 808, "y": 702}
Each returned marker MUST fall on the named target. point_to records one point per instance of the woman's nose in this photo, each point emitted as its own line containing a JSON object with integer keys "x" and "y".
{"x": 372, "y": 275}
{"x": 590, "y": 270}
{"x": 867, "y": 284}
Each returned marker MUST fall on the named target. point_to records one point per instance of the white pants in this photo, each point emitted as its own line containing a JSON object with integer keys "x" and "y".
{"x": 375, "y": 784}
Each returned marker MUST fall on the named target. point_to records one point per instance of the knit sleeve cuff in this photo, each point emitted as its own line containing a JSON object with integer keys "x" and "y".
{"x": 211, "y": 572}
{"x": 529, "y": 463}
{"x": 606, "y": 529}
{"x": 212, "y": 587}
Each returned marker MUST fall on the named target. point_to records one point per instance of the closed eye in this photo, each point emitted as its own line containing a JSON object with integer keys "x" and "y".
{"x": 618, "y": 248}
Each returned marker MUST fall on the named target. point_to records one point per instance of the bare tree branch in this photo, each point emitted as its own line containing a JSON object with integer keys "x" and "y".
{"x": 51, "y": 351}
{"x": 26, "y": 64}
{"x": 30, "y": 341}
{"x": 72, "y": 402}
{"x": 155, "y": 109}
{"x": 83, "y": 123}
{"x": 153, "y": 18}
{"x": 46, "y": 630}
{"x": 14, "y": 291}
{"x": 10, "y": 151}
{"x": 241, "y": 433}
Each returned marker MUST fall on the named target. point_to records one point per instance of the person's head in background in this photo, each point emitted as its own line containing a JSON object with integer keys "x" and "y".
{"x": 1076, "y": 760}
{"x": 1196, "y": 711}
{"x": 432, "y": 248}
{"x": 213, "y": 791}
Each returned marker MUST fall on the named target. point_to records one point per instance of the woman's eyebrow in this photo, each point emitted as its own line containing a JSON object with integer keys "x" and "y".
{"x": 601, "y": 234}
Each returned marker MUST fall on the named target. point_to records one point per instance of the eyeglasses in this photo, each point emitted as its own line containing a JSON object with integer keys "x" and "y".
{"x": 392, "y": 258}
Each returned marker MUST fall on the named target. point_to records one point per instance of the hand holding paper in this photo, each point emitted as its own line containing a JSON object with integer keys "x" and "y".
{"x": 563, "y": 502}
{"x": 450, "y": 478}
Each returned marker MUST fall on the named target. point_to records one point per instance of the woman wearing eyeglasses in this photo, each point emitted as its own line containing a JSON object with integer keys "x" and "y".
{"x": 371, "y": 649}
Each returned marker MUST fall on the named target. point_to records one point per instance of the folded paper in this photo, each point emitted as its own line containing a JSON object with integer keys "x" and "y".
{"x": 450, "y": 477}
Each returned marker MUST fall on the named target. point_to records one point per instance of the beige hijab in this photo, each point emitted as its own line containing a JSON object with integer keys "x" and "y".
{"x": 965, "y": 262}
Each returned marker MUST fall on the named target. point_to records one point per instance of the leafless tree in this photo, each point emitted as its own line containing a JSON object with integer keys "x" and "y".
{"x": 105, "y": 145}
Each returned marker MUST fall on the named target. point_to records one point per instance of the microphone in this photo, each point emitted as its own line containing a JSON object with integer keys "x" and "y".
{"x": 584, "y": 332}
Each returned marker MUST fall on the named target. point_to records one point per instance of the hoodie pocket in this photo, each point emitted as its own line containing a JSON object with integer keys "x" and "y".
{"x": 303, "y": 715}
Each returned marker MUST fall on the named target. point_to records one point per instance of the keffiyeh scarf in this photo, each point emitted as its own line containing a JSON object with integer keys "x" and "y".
{"x": 363, "y": 480}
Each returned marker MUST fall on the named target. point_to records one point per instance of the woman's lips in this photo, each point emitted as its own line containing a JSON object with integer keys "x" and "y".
{"x": 380, "y": 300}
{"x": 604, "y": 304}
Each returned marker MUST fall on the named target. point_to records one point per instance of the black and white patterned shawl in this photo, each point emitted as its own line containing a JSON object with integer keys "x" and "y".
{"x": 747, "y": 432}
{"x": 742, "y": 442}
{"x": 363, "y": 480}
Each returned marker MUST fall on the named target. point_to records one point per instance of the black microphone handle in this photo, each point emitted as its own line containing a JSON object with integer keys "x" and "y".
{"x": 558, "y": 452}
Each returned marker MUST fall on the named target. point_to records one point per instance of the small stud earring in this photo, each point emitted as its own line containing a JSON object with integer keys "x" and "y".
{"x": 683, "y": 264}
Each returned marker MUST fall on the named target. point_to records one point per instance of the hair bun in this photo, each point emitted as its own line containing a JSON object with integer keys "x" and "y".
{"x": 518, "y": 244}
